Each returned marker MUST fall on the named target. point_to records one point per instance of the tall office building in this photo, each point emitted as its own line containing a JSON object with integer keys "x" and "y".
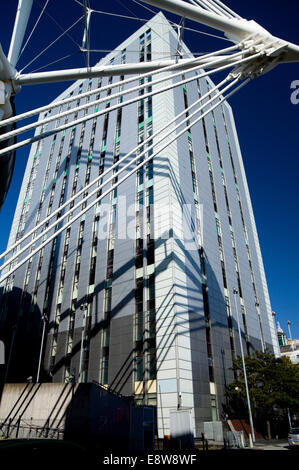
{"x": 147, "y": 275}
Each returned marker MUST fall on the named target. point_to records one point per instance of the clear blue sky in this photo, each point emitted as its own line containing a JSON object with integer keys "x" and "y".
{"x": 267, "y": 122}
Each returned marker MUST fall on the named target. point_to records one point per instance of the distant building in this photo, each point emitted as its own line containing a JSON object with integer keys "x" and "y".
{"x": 157, "y": 312}
{"x": 282, "y": 337}
{"x": 288, "y": 347}
{"x": 291, "y": 351}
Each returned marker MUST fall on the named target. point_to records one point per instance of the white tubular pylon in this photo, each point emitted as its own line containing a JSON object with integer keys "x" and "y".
{"x": 7, "y": 64}
{"x": 105, "y": 71}
{"x": 6, "y": 88}
{"x": 21, "y": 21}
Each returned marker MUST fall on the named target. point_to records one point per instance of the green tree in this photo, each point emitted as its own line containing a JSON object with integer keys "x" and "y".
{"x": 273, "y": 388}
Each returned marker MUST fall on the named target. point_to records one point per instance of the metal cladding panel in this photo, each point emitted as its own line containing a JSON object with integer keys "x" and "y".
{"x": 121, "y": 355}
{"x": 100, "y": 278}
{"x": 123, "y": 287}
{"x": 191, "y": 262}
{"x": 258, "y": 268}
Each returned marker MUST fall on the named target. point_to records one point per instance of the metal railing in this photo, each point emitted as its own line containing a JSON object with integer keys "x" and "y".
{"x": 234, "y": 439}
{"x": 29, "y": 429}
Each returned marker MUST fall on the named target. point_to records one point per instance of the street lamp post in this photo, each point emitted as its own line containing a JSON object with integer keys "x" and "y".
{"x": 261, "y": 327}
{"x": 235, "y": 291}
{"x": 14, "y": 331}
{"x": 289, "y": 327}
{"x": 84, "y": 308}
{"x": 44, "y": 318}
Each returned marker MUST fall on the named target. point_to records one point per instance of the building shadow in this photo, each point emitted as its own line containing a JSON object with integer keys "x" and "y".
{"x": 86, "y": 414}
{"x": 21, "y": 328}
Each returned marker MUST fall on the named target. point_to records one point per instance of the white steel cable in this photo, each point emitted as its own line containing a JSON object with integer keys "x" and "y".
{"x": 140, "y": 165}
{"x": 137, "y": 157}
{"x": 33, "y": 29}
{"x": 40, "y": 123}
{"x": 55, "y": 61}
{"x": 145, "y": 7}
{"x": 41, "y": 109}
{"x": 217, "y": 9}
{"x": 126, "y": 8}
{"x": 120, "y": 105}
{"x": 196, "y": 3}
{"x": 59, "y": 26}
{"x": 50, "y": 45}
{"x": 233, "y": 27}
{"x": 117, "y": 95}
{"x": 98, "y": 178}
{"x": 152, "y": 28}
{"x": 171, "y": 22}
{"x": 192, "y": 1}
{"x": 126, "y": 17}
{"x": 83, "y": 190}
{"x": 119, "y": 182}
{"x": 205, "y": 5}
{"x": 86, "y": 35}
{"x": 207, "y": 34}
{"x": 117, "y": 106}
{"x": 229, "y": 10}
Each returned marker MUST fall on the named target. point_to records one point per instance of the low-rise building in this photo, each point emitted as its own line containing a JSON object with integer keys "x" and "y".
{"x": 288, "y": 347}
